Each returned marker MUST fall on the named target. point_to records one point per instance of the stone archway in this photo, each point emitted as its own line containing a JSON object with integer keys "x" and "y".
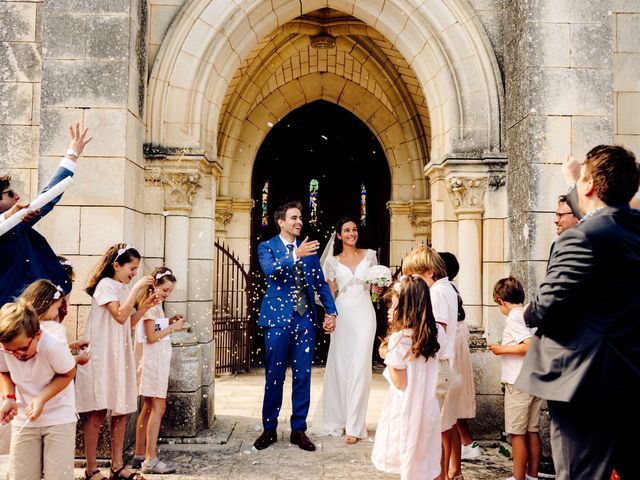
{"x": 424, "y": 80}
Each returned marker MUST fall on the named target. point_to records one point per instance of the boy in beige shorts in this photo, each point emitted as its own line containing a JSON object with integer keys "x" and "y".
{"x": 521, "y": 409}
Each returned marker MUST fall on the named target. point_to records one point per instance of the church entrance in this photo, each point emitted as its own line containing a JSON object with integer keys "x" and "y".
{"x": 325, "y": 157}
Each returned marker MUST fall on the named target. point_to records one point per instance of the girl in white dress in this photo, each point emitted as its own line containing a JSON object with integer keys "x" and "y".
{"x": 108, "y": 381}
{"x": 347, "y": 377}
{"x": 408, "y": 436}
{"x": 154, "y": 333}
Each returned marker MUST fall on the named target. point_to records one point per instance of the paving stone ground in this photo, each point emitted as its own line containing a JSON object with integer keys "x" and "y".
{"x": 230, "y": 454}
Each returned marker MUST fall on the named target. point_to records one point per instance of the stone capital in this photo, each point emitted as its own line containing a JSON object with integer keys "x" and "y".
{"x": 466, "y": 178}
{"x": 420, "y": 218}
{"x": 181, "y": 174}
{"x": 226, "y": 207}
{"x": 467, "y": 193}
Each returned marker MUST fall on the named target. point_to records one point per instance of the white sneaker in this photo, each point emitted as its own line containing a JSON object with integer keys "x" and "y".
{"x": 157, "y": 466}
{"x": 471, "y": 451}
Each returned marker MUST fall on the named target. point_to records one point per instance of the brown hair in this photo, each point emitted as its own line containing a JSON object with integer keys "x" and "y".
{"x": 105, "y": 267}
{"x": 67, "y": 267}
{"x": 615, "y": 173}
{"x": 281, "y": 212}
{"x": 166, "y": 276}
{"x": 5, "y": 181}
{"x": 508, "y": 290}
{"x": 17, "y": 318}
{"x": 422, "y": 259}
{"x": 414, "y": 311}
{"x": 41, "y": 295}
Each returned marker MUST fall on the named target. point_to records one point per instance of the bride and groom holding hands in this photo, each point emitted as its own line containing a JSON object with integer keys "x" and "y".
{"x": 294, "y": 276}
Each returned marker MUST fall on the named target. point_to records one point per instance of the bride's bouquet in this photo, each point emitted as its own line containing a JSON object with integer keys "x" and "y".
{"x": 377, "y": 276}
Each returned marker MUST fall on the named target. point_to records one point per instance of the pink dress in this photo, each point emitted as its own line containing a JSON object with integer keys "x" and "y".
{"x": 408, "y": 438}
{"x": 460, "y": 401}
{"x": 108, "y": 380}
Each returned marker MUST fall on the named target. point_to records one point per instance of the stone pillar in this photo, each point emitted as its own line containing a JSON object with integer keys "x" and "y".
{"x": 401, "y": 231}
{"x": 420, "y": 218}
{"x": 233, "y": 225}
{"x": 185, "y": 178}
{"x": 468, "y": 197}
{"x": 559, "y": 81}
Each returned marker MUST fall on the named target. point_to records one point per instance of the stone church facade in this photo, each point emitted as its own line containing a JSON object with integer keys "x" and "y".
{"x": 473, "y": 101}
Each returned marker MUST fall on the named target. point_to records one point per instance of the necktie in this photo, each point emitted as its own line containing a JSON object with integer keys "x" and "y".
{"x": 301, "y": 303}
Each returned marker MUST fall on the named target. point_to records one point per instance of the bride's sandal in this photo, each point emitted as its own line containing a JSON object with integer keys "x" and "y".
{"x": 350, "y": 440}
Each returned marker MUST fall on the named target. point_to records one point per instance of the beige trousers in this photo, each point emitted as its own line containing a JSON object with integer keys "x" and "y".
{"x": 42, "y": 452}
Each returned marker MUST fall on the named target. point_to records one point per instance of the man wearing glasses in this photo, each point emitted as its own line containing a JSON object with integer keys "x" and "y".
{"x": 565, "y": 218}
{"x": 25, "y": 255}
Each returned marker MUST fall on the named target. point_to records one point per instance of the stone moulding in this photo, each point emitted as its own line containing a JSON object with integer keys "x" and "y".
{"x": 226, "y": 207}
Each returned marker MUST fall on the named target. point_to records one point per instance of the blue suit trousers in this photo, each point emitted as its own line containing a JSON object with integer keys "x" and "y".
{"x": 290, "y": 345}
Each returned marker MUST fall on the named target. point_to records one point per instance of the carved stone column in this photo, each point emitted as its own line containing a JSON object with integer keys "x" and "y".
{"x": 420, "y": 218}
{"x": 185, "y": 177}
{"x": 468, "y": 197}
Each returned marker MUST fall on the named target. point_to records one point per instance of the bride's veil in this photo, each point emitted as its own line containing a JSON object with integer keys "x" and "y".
{"x": 328, "y": 250}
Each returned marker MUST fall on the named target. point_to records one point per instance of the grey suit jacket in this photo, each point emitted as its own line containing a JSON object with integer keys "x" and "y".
{"x": 587, "y": 311}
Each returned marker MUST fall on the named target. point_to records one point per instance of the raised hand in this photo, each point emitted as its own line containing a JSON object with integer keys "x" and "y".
{"x": 147, "y": 280}
{"x": 79, "y": 139}
{"x": 19, "y": 206}
{"x": 570, "y": 169}
{"x": 307, "y": 248}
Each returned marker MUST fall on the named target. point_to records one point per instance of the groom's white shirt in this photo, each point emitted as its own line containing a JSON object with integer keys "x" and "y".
{"x": 295, "y": 258}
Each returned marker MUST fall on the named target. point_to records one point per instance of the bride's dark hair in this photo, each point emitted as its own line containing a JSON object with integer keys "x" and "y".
{"x": 337, "y": 243}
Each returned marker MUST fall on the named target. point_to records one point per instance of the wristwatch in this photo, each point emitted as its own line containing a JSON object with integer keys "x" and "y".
{"x": 71, "y": 153}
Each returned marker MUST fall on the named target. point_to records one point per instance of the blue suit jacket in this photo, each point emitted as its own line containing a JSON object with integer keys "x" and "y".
{"x": 25, "y": 255}
{"x": 277, "y": 264}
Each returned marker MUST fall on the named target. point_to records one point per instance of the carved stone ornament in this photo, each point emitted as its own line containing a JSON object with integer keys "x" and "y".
{"x": 180, "y": 188}
{"x": 467, "y": 192}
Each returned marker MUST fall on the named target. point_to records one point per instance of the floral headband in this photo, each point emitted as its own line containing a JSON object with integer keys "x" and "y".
{"x": 163, "y": 274}
{"x": 123, "y": 250}
{"x": 58, "y": 293}
{"x": 397, "y": 285}
{"x": 66, "y": 263}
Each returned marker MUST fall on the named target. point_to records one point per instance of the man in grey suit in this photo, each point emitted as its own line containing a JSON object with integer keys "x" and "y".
{"x": 586, "y": 358}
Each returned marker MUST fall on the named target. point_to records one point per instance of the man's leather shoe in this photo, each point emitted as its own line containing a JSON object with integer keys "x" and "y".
{"x": 267, "y": 438}
{"x": 300, "y": 438}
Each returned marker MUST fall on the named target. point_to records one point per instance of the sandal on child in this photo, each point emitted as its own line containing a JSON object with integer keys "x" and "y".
{"x": 350, "y": 440}
{"x": 90, "y": 475}
{"x": 457, "y": 477}
{"x": 118, "y": 474}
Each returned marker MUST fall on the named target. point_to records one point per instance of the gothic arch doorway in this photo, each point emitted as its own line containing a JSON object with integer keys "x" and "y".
{"x": 325, "y": 143}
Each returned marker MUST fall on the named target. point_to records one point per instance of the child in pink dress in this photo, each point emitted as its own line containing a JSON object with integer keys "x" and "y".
{"x": 154, "y": 333}
{"x": 108, "y": 381}
{"x": 408, "y": 436}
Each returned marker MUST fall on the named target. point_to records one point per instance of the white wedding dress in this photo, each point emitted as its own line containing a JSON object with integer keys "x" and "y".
{"x": 347, "y": 378}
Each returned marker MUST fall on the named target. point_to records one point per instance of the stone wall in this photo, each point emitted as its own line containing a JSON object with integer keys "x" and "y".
{"x": 626, "y": 73}
{"x": 20, "y": 76}
{"x": 558, "y": 73}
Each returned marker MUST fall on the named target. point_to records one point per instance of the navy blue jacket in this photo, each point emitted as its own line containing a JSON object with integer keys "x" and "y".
{"x": 277, "y": 264}
{"x": 25, "y": 255}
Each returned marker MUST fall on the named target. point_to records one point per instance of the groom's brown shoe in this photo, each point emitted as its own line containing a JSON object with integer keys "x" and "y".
{"x": 300, "y": 438}
{"x": 267, "y": 438}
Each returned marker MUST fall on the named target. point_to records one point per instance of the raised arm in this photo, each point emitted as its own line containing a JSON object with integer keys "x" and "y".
{"x": 275, "y": 268}
{"x": 570, "y": 270}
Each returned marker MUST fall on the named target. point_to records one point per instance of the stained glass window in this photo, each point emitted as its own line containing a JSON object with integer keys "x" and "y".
{"x": 363, "y": 204}
{"x": 265, "y": 204}
{"x": 313, "y": 201}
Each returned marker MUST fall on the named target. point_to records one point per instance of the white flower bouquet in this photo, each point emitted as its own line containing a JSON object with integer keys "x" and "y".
{"x": 377, "y": 276}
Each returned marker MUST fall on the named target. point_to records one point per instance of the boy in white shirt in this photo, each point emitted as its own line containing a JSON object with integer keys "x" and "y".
{"x": 36, "y": 373}
{"x": 521, "y": 409}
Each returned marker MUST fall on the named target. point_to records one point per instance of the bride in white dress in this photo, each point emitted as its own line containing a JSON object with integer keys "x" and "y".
{"x": 347, "y": 379}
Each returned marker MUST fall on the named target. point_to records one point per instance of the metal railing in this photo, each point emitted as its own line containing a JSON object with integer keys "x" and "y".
{"x": 231, "y": 312}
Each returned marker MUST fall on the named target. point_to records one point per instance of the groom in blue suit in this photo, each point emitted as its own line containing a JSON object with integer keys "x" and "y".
{"x": 288, "y": 317}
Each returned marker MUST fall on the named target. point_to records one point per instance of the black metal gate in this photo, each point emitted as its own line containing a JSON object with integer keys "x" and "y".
{"x": 231, "y": 312}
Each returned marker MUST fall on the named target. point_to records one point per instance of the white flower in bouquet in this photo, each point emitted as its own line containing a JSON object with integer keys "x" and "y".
{"x": 377, "y": 276}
